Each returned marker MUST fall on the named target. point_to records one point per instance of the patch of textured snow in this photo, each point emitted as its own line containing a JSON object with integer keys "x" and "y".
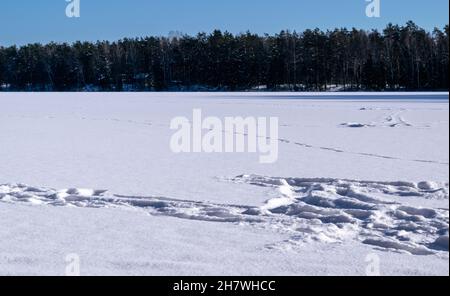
{"x": 398, "y": 246}
{"x": 391, "y": 120}
{"x": 322, "y": 210}
{"x": 365, "y": 209}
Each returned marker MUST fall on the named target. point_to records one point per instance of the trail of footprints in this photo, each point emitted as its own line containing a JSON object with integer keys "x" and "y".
{"x": 307, "y": 210}
{"x": 391, "y": 121}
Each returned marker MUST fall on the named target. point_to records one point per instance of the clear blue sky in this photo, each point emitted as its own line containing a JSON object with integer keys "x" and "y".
{"x": 27, "y": 21}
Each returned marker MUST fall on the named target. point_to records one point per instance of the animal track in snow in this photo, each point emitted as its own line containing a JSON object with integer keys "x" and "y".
{"x": 281, "y": 140}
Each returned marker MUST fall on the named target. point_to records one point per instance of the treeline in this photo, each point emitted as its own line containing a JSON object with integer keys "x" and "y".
{"x": 399, "y": 58}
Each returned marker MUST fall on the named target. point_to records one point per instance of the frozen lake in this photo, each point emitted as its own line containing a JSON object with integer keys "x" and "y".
{"x": 356, "y": 175}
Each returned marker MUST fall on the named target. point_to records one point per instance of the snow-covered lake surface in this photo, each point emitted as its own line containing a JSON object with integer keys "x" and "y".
{"x": 359, "y": 176}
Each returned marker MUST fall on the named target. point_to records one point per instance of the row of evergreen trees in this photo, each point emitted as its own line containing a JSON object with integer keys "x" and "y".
{"x": 401, "y": 57}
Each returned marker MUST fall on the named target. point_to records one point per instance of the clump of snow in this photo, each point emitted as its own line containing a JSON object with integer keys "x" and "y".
{"x": 441, "y": 243}
{"x": 428, "y": 185}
